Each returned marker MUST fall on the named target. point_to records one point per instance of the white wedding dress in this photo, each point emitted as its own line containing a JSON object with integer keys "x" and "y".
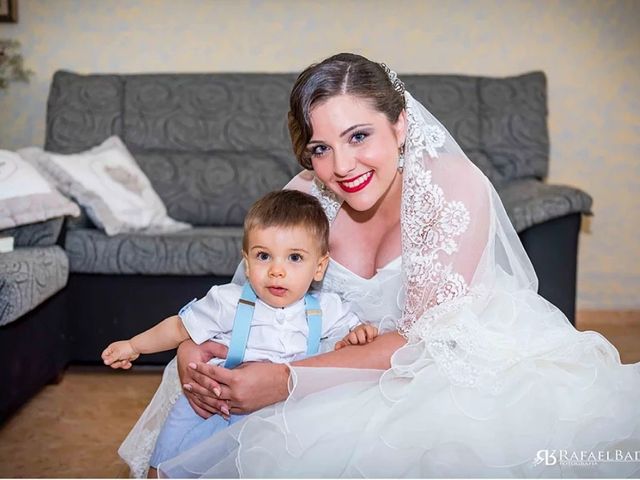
{"x": 493, "y": 381}
{"x": 565, "y": 391}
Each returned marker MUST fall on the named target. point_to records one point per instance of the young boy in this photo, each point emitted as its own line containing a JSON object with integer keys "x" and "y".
{"x": 271, "y": 318}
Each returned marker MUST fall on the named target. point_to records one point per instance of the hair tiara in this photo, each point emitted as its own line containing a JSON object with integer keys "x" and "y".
{"x": 398, "y": 85}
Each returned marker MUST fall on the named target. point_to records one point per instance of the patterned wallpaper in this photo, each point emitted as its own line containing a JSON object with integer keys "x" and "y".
{"x": 589, "y": 49}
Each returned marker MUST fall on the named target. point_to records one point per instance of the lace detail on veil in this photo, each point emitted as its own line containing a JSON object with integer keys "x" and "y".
{"x": 448, "y": 229}
{"x": 422, "y": 137}
{"x": 430, "y": 228}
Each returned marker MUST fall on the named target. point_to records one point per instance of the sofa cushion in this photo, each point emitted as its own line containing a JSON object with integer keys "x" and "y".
{"x": 215, "y": 188}
{"x": 109, "y": 184}
{"x": 514, "y": 135}
{"x": 452, "y": 99}
{"x": 83, "y": 111}
{"x": 530, "y": 202}
{"x": 202, "y": 112}
{"x": 25, "y": 194}
{"x": 500, "y": 123}
{"x": 28, "y": 276}
{"x": 197, "y": 251}
{"x": 174, "y": 123}
{"x": 40, "y": 234}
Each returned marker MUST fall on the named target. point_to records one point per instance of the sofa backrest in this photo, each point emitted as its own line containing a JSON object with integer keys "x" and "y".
{"x": 213, "y": 143}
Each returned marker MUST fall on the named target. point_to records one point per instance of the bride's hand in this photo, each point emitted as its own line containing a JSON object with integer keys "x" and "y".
{"x": 248, "y": 387}
{"x": 254, "y": 385}
{"x": 204, "y": 401}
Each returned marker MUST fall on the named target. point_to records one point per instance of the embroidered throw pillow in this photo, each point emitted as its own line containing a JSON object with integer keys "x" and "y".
{"x": 109, "y": 184}
{"x": 25, "y": 196}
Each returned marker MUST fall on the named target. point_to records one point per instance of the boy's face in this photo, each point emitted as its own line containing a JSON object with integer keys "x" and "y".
{"x": 282, "y": 262}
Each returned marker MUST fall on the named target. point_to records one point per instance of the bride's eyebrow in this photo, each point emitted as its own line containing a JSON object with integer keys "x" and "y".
{"x": 351, "y": 128}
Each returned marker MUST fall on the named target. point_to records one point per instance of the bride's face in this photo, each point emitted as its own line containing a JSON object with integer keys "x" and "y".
{"x": 354, "y": 149}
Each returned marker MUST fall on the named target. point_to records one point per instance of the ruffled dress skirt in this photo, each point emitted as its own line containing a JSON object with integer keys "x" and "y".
{"x": 526, "y": 395}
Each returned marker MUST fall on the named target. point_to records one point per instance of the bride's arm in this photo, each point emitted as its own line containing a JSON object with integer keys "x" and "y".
{"x": 255, "y": 385}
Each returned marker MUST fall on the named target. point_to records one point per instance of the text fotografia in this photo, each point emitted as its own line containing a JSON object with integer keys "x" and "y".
{"x": 584, "y": 457}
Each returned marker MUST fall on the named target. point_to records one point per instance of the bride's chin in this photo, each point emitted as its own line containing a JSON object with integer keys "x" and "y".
{"x": 361, "y": 203}
{"x": 372, "y": 197}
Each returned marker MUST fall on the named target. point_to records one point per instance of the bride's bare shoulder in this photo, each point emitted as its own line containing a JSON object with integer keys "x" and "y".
{"x": 301, "y": 182}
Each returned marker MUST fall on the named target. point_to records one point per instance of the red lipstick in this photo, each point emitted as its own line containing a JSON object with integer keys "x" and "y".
{"x": 356, "y": 188}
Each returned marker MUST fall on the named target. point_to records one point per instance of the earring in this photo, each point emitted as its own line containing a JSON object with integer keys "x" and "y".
{"x": 401, "y": 158}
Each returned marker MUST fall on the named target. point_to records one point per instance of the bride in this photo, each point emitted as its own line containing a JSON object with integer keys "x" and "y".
{"x": 474, "y": 373}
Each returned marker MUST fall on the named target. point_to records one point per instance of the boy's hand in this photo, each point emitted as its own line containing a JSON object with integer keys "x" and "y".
{"x": 360, "y": 335}
{"x": 120, "y": 354}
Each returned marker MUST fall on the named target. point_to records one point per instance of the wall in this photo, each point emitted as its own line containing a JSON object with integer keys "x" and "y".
{"x": 590, "y": 51}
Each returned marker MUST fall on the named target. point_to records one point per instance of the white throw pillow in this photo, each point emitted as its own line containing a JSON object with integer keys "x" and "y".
{"x": 110, "y": 185}
{"x": 25, "y": 196}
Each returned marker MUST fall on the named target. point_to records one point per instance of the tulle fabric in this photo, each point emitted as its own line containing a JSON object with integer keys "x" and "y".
{"x": 491, "y": 373}
{"x": 137, "y": 447}
{"x": 561, "y": 389}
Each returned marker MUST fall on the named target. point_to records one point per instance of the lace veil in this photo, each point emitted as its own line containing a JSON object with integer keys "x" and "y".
{"x": 459, "y": 252}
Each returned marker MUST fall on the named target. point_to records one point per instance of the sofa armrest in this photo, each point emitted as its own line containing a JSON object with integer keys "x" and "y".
{"x": 530, "y": 202}
{"x": 28, "y": 276}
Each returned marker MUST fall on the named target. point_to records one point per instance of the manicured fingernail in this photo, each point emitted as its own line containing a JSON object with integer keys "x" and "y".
{"x": 224, "y": 409}
{"x": 192, "y": 365}
{"x": 187, "y": 387}
{"x": 217, "y": 392}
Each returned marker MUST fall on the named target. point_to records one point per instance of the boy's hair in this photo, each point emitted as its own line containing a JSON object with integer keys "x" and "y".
{"x": 288, "y": 208}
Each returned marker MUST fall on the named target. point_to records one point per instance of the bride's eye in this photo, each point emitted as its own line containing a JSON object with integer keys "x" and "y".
{"x": 359, "y": 137}
{"x": 318, "y": 150}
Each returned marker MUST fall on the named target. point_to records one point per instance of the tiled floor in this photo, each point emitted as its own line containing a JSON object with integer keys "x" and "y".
{"x": 73, "y": 429}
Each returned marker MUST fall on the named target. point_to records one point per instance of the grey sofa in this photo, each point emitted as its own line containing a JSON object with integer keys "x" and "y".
{"x": 213, "y": 143}
{"x": 33, "y": 338}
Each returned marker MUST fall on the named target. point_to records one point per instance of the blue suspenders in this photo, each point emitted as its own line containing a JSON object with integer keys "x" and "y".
{"x": 314, "y": 320}
{"x": 241, "y": 327}
{"x": 244, "y": 316}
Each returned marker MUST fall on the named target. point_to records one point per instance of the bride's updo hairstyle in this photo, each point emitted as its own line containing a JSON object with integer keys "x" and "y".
{"x": 341, "y": 74}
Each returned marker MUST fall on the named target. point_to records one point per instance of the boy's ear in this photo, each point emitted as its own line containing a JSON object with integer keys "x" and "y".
{"x": 245, "y": 259}
{"x": 322, "y": 267}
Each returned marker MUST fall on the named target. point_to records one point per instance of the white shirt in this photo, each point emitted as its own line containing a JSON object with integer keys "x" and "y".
{"x": 277, "y": 334}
